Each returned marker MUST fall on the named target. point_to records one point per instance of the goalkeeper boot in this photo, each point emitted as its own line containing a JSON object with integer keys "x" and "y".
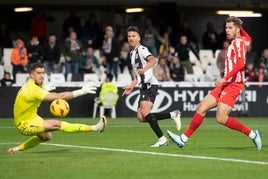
{"x": 102, "y": 124}
{"x": 12, "y": 150}
{"x": 176, "y": 116}
{"x": 176, "y": 139}
{"x": 162, "y": 141}
{"x": 257, "y": 139}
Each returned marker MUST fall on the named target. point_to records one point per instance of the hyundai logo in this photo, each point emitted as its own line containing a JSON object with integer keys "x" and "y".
{"x": 162, "y": 102}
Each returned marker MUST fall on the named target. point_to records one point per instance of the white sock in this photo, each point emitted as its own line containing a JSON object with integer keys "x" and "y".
{"x": 95, "y": 127}
{"x": 162, "y": 138}
{"x": 184, "y": 138}
{"x": 252, "y": 134}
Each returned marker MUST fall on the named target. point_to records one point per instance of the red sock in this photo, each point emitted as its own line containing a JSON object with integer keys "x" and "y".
{"x": 235, "y": 124}
{"x": 194, "y": 124}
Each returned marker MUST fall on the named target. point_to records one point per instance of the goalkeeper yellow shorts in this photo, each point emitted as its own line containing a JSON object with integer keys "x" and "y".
{"x": 32, "y": 127}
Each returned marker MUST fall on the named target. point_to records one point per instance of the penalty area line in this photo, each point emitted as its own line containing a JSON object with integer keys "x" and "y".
{"x": 159, "y": 153}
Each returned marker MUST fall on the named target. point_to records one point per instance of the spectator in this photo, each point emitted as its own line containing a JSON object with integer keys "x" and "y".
{"x": 111, "y": 51}
{"x": 66, "y": 36}
{"x": 72, "y": 52}
{"x": 263, "y": 61}
{"x": 7, "y": 80}
{"x": 165, "y": 44}
{"x": 19, "y": 58}
{"x": 210, "y": 38}
{"x": 52, "y": 53}
{"x": 151, "y": 36}
{"x": 185, "y": 30}
{"x": 35, "y": 51}
{"x": 95, "y": 31}
{"x": 161, "y": 71}
{"x": 39, "y": 25}
{"x": 250, "y": 73}
{"x": 251, "y": 55}
{"x": 123, "y": 56}
{"x": 221, "y": 57}
{"x": 262, "y": 67}
{"x": 71, "y": 21}
{"x": 89, "y": 63}
{"x": 5, "y": 39}
{"x": 182, "y": 50}
{"x": 107, "y": 87}
{"x": 176, "y": 70}
{"x": 222, "y": 37}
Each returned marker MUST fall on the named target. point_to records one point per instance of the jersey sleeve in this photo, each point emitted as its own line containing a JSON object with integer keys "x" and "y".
{"x": 144, "y": 52}
{"x": 239, "y": 62}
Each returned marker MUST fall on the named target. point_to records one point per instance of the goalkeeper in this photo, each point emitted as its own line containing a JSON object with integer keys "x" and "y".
{"x": 29, "y": 98}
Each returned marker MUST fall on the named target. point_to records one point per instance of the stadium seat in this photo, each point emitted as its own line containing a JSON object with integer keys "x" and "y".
{"x": 6, "y": 60}
{"x": 90, "y": 77}
{"x": 57, "y": 78}
{"x": 190, "y": 77}
{"x": 21, "y": 78}
{"x": 206, "y": 58}
{"x": 213, "y": 72}
{"x": 198, "y": 72}
{"x": 107, "y": 101}
{"x": 124, "y": 79}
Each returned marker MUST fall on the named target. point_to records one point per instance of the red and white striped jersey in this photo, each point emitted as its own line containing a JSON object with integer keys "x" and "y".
{"x": 235, "y": 60}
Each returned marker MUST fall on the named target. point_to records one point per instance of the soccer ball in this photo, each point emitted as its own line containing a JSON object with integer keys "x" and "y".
{"x": 59, "y": 108}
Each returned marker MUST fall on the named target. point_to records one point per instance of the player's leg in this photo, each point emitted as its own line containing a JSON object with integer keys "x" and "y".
{"x": 52, "y": 125}
{"x": 174, "y": 115}
{"x": 224, "y": 108}
{"x": 34, "y": 128}
{"x": 206, "y": 104}
{"x": 145, "y": 108}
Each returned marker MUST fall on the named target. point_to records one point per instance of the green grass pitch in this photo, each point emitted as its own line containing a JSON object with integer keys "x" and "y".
{"x": 123, "y": 151}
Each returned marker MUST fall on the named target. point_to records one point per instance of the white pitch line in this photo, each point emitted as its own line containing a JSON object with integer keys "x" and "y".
{"x": 159, "y": 153}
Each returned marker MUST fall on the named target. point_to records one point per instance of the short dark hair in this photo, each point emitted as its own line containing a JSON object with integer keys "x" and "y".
{"x": 134, "y": 29}
{"x": 110, "y": 76}
{"x": 33, "y": 66}
{"x": 237, "y": 22}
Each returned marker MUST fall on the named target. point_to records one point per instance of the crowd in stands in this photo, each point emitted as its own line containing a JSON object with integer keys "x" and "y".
{"x": 85, "y": 47}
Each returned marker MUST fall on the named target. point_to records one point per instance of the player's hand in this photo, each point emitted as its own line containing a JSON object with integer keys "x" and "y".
{"x": 127, "y": 90}
{"x": 89, "y": 88}
{"x": 50, "y": 86}
{"x": 220, "y": 81}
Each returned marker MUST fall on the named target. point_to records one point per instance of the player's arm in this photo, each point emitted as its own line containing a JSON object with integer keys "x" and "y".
{"x": 151, "y": 62}
{"x": 129, "y": 89}
{"x": 88, "y": 88}
{"x": 240, "y": 60}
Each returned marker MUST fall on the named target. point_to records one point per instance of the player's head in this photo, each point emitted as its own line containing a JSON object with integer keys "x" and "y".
{"x": 133, "y": 36}
{"x": 37, "y": 72}
{"x": 109, "y": 77}
{"x": 232, "y": 27}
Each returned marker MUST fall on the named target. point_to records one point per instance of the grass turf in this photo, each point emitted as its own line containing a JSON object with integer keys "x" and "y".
{"x": 123, "y": 151}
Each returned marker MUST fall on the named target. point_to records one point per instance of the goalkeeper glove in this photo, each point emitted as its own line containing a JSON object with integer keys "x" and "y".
{"x": 89, "y": 88}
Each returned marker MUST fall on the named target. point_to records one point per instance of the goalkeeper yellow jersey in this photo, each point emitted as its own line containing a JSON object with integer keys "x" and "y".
{"x": 27, "y": 101}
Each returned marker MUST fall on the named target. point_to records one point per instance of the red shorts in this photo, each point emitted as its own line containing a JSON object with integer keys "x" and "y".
{"x": 228, "y": 94}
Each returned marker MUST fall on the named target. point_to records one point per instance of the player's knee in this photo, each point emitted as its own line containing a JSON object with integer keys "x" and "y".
{"x": 46, "y": 136}
{"x": 142, "y": 120}
{"x": 220, "y": 119}
{"x": 201, "y": 109}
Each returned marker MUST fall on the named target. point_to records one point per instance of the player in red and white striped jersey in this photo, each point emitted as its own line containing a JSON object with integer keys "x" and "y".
{"x": 227, "y": 88}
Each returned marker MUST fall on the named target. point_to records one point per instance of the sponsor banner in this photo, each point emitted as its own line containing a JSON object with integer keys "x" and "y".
{"x": 252, "y": 102}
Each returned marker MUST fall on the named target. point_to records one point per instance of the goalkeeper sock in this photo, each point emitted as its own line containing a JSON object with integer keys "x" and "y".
{"x": 68, "y": 127}
{"x": 30, "y": 143}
